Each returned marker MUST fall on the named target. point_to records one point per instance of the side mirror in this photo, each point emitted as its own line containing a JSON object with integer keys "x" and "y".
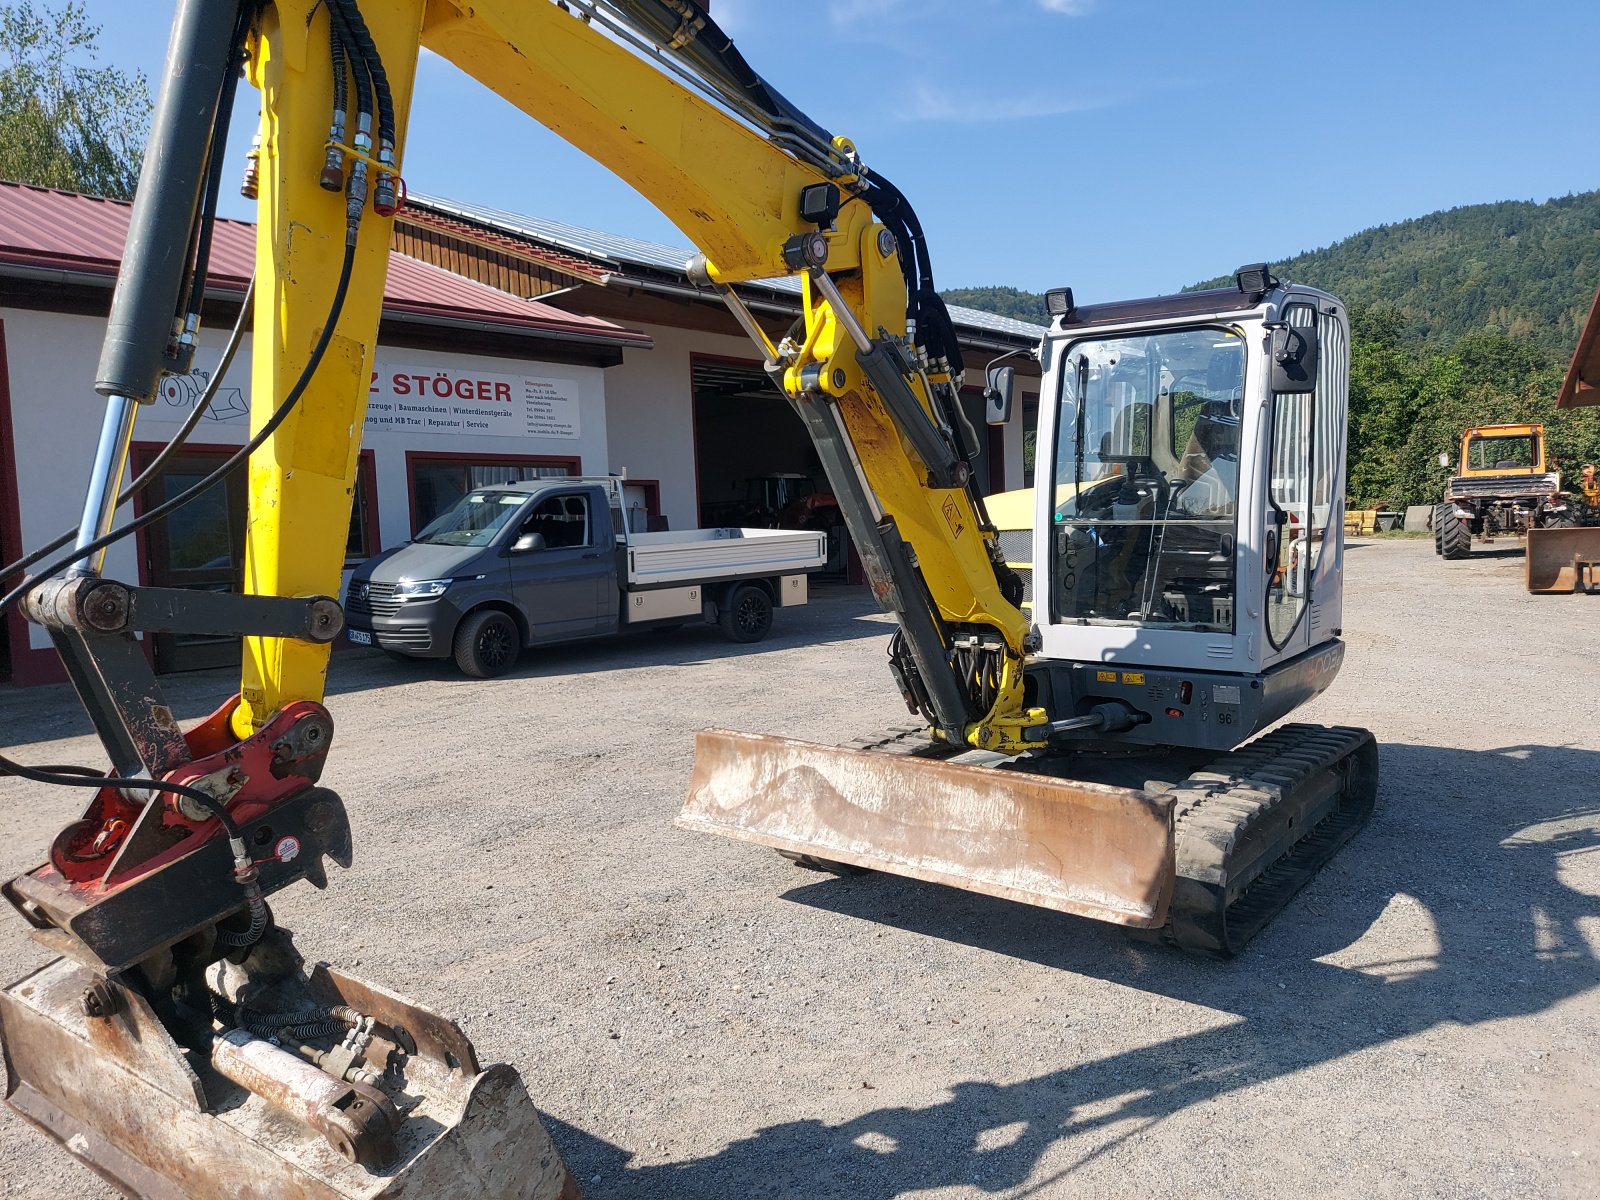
{"x": 1444, "y": 461}
{"x": 1295, "y": 358}
{"x": 997, "y": 395}
{"x": 527, "y": 543}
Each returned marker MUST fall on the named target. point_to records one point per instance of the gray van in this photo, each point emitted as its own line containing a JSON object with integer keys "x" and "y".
{"x": 553, "y": 560}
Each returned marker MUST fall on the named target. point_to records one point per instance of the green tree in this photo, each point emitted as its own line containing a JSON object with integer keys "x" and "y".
{"x": 64, "y": 121}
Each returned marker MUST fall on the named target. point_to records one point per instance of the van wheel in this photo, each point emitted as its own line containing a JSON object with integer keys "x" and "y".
{"x": 487, "y": 644}
{"x": 747, "y": 616}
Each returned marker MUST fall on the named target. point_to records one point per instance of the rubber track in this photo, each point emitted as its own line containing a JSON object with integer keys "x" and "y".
{"x": 1255, "y": 825}
{"x": 911, "y": 740}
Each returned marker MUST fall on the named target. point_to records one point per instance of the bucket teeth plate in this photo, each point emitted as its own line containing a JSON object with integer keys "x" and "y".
{"x": 1084, "y": 848}
{"x": 125, "y": 1099}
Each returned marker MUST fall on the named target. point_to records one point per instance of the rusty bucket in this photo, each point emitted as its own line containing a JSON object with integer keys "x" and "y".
{"x": 1084, "y": 848}
{"x": 107, "y": 1081}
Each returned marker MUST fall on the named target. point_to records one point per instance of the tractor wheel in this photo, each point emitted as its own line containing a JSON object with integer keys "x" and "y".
{"x": 1452, "y": 537}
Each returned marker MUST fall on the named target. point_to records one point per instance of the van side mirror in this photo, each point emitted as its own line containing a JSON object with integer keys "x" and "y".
{"x": 1295, "y": 356}
{"x": 527, "y": 543}
{"x": 997, "y": 395}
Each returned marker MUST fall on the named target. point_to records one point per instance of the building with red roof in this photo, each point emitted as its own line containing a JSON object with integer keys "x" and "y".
{"x": 59, "y": 254}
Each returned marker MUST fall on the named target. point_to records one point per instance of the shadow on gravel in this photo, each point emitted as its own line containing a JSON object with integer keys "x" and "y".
{"x": 1469, "y": 843}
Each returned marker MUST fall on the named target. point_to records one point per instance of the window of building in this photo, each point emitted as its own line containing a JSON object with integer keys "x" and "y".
{"x": 363, "y": 540}
{"x": 439, "y": 480}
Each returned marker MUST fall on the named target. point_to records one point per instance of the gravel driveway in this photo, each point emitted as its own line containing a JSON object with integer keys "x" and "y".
{"x": 698, "y": 1019}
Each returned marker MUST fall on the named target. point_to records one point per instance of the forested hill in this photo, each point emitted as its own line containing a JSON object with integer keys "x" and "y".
{"x": 1523, "y": 269}
{"x": 1526, "y": 270}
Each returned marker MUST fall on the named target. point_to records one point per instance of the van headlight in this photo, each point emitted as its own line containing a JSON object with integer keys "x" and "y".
{"x": 420, "y": 589}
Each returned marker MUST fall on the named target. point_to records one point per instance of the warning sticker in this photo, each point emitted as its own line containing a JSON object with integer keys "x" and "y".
{"x": 1105, "y": 676}
{"x": 1133, "y": 677}
{"x": 952, "y": 517}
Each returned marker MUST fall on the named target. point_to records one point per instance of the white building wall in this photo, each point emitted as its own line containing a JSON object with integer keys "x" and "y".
{"x": 56, "y": 419}
{"x": 650, "y": 411}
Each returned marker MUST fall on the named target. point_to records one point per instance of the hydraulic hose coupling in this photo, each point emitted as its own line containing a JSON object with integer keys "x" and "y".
{"x": 388, "y": 193}
{"x": 356, "y": 193}
{"x": 250, "y": 185}
{"x": 332, "y": 178}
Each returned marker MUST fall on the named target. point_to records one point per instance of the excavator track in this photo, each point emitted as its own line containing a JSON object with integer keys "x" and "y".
{"x": 1254, "y": 825}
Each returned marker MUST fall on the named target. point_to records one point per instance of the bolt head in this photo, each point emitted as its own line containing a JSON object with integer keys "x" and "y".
{"x": 100, "y": 1000}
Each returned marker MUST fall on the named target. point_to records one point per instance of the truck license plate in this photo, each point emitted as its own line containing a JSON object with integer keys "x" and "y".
{"x": 359, "y": 636}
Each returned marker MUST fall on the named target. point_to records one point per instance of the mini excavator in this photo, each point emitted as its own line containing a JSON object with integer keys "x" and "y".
{"x": 1088, "y": 683}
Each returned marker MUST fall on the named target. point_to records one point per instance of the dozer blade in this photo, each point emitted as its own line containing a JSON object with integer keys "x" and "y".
{"x": 1084, "y": 848}
{"x": 161, "y": 1121}
{"x": 1564, "y": 560}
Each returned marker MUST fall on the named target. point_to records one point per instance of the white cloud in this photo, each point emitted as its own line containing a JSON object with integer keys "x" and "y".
{"x": 1068, "y": 8}
{"x": 972, "y": 108}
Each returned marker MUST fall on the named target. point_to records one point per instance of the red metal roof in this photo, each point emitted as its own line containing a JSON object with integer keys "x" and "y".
{"x": 47, "y": 229}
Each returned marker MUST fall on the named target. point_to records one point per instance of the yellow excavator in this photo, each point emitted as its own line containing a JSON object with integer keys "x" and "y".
{"x": 1090, "y": 752}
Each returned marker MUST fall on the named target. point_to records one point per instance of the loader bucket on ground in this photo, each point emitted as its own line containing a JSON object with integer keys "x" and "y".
{"x": 157, "y": 1121}
{"x": 1564, "y": 560}
{"x": 1084, "y": 848}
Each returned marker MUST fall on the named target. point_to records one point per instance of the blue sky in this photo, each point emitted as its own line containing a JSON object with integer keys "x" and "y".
{"x": 1122, "y": 147}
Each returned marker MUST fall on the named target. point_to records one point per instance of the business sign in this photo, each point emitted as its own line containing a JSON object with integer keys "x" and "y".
{"x": 410, "y": 400}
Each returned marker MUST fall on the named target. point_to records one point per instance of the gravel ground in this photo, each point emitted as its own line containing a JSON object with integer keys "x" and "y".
{"x": 698, "y": 1019}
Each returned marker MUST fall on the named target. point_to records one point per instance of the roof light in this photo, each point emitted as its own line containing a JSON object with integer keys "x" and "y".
{"x": 1058, "y": 302}
{"x": 1256, "y": 279}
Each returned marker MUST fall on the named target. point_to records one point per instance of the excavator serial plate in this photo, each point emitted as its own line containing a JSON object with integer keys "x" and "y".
{"x": 1084, "y": 848}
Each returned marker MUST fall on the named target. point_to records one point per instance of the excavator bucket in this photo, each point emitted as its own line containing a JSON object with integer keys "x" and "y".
{"x": 89, "y": 1062}
{"x": 1083, "y": 848}
{"x": 1564, "y": 560}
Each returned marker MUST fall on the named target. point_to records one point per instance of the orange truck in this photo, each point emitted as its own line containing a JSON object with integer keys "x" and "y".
{"x": 1502, "y": 486}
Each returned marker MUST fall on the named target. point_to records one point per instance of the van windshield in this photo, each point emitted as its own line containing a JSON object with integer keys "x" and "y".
{"x": 473, "y": 520}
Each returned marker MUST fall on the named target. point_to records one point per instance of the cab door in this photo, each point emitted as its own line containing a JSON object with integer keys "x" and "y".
{"x": 1294, "y": 530}
{"x": 563, "y": 585}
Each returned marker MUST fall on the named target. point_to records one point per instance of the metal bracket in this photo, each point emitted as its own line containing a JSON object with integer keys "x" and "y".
{"x": 89, "y": 604}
